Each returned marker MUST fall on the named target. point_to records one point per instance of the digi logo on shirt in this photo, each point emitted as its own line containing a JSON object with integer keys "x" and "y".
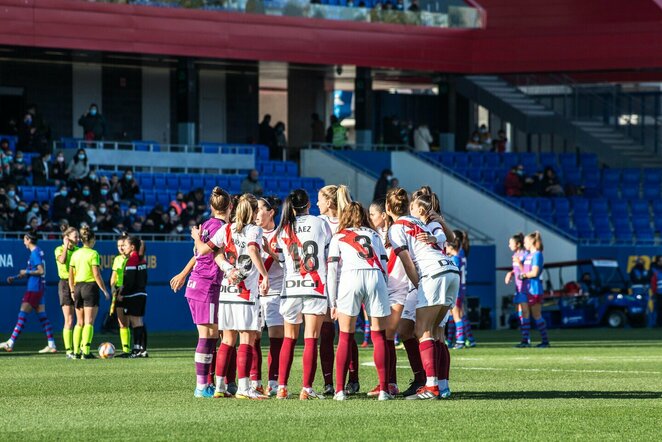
{"x": 301, "y": 284}
{"x": 232, "y": 289}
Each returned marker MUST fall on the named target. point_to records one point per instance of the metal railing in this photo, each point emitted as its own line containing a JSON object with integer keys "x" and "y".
{"x": 102, "y": 236}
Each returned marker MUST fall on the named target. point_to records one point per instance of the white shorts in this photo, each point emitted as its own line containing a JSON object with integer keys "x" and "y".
{"x": 239, "y": 317}
{"x": 409, "y": 312}
{"x": 293, "y": 309}
{"x": 271, "y": 310}
{"x": 441, "y": 290}
{"x": 397, "y": 297}
{"x": 365, "y": 287}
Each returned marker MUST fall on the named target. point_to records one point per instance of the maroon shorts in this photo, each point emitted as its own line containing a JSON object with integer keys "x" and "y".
{"x": 534, "y": 299}
{"x": 33, "y": 298}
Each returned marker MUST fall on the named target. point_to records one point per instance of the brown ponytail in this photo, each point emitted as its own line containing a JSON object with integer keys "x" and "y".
{"x": 220, "y": 200}
{"x": 397, "y": 202}
{"x": 353, "y": 216}
{"x": 86, "y": 235}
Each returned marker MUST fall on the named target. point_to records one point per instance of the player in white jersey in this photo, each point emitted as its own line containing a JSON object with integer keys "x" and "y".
{"x": 270, "y": 302}
{"x": 304, "y": 241}
{"x": 331, "y": 200}
{"x": 237, "y": 248}
{"x": 362, "y": 281}
{"x": 398, "y": 287}
{"x": 435, "y": 276}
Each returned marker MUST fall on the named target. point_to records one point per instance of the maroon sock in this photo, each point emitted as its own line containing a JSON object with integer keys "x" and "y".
{"x": 274, "y": 355}
{"x": 285, "y": 360}
{"x": 445, "y": 362}
{"x": 222, "y": 358}
{"x": 393, "y": 359}
{"x": 244, "y": 360}
{"x": 381, "y": 358}
{"x": 342, "y": 358}
{"x": 212, "y": 367}
{"x": 327, "y": 336}
{"x": 231, "y": 376}
{"x": 414, "y": 356}
{"x": 353, "y": 360}
{"x": 428, "y": 357}
{"x": 309, "y": 361}
{"x": 256, "y": 366}
{"x": 439, "y": 363}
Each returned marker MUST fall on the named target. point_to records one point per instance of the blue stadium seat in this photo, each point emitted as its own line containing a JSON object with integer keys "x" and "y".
{"x": 657, "y": 221}
{"x": 476, "y": 159}
{"x": 544, "y": 208}
{"x": 149, "y": 197}
{"x": 610, "y": 191}
{"x": 652, "y": 193}
{"x": 561, "y": 205}
{"x": 652, "y": 177}
{"x": 28, "y": 193}
{"x": 291, "y": 169}
{"x": 68, "y": 142}
{"x": 630, "y": 193}
{"x": 261, "y": 152}
{"x": 623, "y": 235}
{"x": 640, "y": 223}
{"x": 640, "y": 208}
{"x": 591, "y": 178}
{"x": 568, "y": 160}
{"x": 172, "y": 182}
{"x": 548, "y": 159}
{"x": 185, "y": 183}
{"x": 461, "y": 161}
{"x": 620, "y": 223}
{"x": 528, "y": 204}
{"x": 492, "y": 160}
{"x": 585, "y": 232}
{"x": 279, "y": 168}
{"x": 309, "y": 184}
{"x": 234, "y": 182}
{"x": 619, "y": 208}
{"x": 645, "y": 236}
{"x": 599, "y": 205}
{"x": 657, "y": 208}
{"x": 601, "y": 222}
{"x": 197, "y": 181}
{"x": 579, "y": 204}
{"x": 604, "y": 235}
{"x": 611, "y": 177}
{"x": 572, "y": 177}
{"x": 283, "y": 185}
{"x": 295, "y": 183}
{"x": 588, "y": 160}
{"x": 446, "y": 158}
{"x": 159, "y": 182}
{"x": 210, "y": 147}
{"x": 474, "y": 174}
{"x": 510, "y": 159}
{"x": 490, "y": 175}
{"x": 562, "y": 221}
{"x": 631, "y": 177}
{"x": 211, "y": 181}
{"x": 145, "y": 145}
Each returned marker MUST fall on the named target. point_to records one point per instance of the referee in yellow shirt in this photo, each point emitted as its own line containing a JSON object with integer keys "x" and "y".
{"x": 63, "y": 254}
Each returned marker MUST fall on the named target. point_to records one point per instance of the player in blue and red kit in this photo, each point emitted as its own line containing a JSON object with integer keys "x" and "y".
{"x": 533, "y": 266}
{"x": 516, "y": 245}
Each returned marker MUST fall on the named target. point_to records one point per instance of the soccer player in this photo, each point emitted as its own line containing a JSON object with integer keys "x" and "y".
{"x": 516, "y": 245}
{"x": 398, "y": 287}
{"x": 84, "y": 284}
{"x": 117, "y": 307}
{"x": 202, "y": 291}
{"x": 63, "y": 252}
{"x": 237, "y": 250}
{"x": 270, "y": 302}
{"x": 362, "y": 281}
{"x": 436, "y": 279}
{"x": 331, "y": 200}
{"x": 133, "y": 294}
{"x": 33, "y": 299}
{"x": 533, "y": 266}
{"x": 462, "y": 325}
{"x": 304, "y": 240}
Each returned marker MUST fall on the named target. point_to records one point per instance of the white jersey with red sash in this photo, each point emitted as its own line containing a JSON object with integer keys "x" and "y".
{"x": 429, "y": 259}
{"x": 236, "y": 253}
{"x": 398, "y": 281}
{"x": 272, "y": 266}
{"x": 304, "y": 247}
{"x": 358, "y": 249}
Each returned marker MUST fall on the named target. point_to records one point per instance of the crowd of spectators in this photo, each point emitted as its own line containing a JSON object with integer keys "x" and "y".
{"x": 481, "y": 140}
{"x": 545, "y": 183}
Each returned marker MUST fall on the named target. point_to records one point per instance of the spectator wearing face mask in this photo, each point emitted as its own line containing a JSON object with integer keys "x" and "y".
{"x": 104, "y": 195}
{"x": 20, "y": 172}
{"x": 19, "y": 217}
{"x": 173, "y": 217}
{"x": 94, "y": 182}
{"x": 197, "y": 199}
{"x": 61, "y": 207}
{"x": 42, "y": 170}
{"x": 13, "y": 200}
{"x": 189, "y": 214}
{"x": 4, "y": 210}
{"x": 86, "y": 194}
{"x": 79, "y": 168}
{"x": 59, "y": 171}
{"x": 93, "y": 123}
{"x": 34, "y": 213}
{"x": 115, "y": 188}
{"x": 252, "y": 184}
{"x": 27, "y": 134}
{"x": 474, "y": 144}
{"x": 178, "y": 204}
{"x": 132, "y": 216}
{"x": 129, "y": 188}
{"x": 514, "y": 181}
{"x": 104, "y": 219}
{"x": 382, "y": 185}
{"x": 90, "y": 217}
{"x": 178, "y": 230}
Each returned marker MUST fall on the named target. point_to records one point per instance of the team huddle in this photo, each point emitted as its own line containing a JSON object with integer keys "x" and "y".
{"x": 247, "y": 272}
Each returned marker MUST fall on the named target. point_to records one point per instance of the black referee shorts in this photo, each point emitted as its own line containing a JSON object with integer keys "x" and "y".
{"x": 64, "y": 294}
{"x": 86, "y": 294}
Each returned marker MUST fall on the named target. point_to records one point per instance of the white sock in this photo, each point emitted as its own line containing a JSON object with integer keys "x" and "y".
{"x": 282, "y": 386}
{"x": 308, "y": 389}
{"x": 10, "y": 342}
{"x": 244, "y": 384}
{"x": 220, "y": 383}
{"x": 256, "y": 384}
{"x": 443, "y": 384}
{"x": 51, "y": 343}
{"x": 431, "y": 381}
{"x": 200, "y": 386}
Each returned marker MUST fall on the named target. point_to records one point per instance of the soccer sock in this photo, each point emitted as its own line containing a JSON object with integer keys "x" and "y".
{"x": 525, "y": 329}
{"x": 429, "y": 359}
{"x": 244, "y": 362}
{"x": 366, "y": 331}
{"x": 414, "y": 356}
{"x": 439, "y": 360}
{"x": 256, "y": 365}
{"x": 353, "y": 360}
{"x": 541, "y": 325}
{"x": 327, "y": 336}
{"x": 68, "y": 338}
{"x": 222, "y": 362}
{"x": 310, "y": 361}
{"x": 88, "y": 334}
{"x": 380, "y": 356}
{"x": 18, "y": 328}
{"x": 392, "y": 357}
{"x": 275, "y": 345}
{"x": 231, "y": 372}
{"x": 46, "y": 327}
{"x": 202, "y": 358}
{"x": 445, "y": 366}
{"x": 144, "y": 338}
{"x": 467, "y": 329}
{"x": 450, "y": 329}
{"x": 125, "y": 338}
{"x": 459, "y": 332}
{"x": 342, "y": 358}
{"x": 137, "y": 334}
{"x": 212, "y": 366}
{"x": 285, "y": 360}
{"x": 78, "y": 336}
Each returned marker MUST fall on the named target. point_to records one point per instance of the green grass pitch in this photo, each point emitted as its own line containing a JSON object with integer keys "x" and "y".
{"x": 593, "y": 384}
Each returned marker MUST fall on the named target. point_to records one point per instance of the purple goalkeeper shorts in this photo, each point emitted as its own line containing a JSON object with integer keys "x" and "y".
{"x": 203, "y": 312}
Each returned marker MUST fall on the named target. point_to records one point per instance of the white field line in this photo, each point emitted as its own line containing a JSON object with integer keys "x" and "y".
{"x": 554, "y": 370}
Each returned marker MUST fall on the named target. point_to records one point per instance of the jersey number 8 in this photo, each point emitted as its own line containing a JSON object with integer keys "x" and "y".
{"x": 310, "y": 260}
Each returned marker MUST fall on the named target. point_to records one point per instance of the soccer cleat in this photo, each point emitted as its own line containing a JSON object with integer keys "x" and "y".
{"x": 470, "y": 344}
{"x": 260, "y": 389}
{"x": 271, "y": 392}
{"x": 282, "y": 393}
{"x": 413, "y": 388}
{"x": 78, "y": 356}
{"x": 88, "y": 356}
{"x": 48, "y": 349}
{"x": 71, "y": 356}
{"x": 340, "y": 396}
{"x": 139, "y": 354}
{"x": 251, "y": 393}
{"x": 6, "y": 346}
{"x": 232, "y": 388}
{"x": 449, "y": 343}
{"x": 523, "y": 344}
{"x": 221, "y": 394}
{"x": 458, "y": 346}
{"x": 352, "y": 388}
{"x": 543, "y": 345}
{"x": 385, "y": 396}
{"x": 328, "y": 389}
{"x": 364, "y": 344}
{"x": 445, "y": 393}
{"x": 393, "y": 389}
{"x": 425, "y": 393}
{"x": 206, "y": 392}
{"x": 374, "y": 392}
{"x": 306, "y": 395}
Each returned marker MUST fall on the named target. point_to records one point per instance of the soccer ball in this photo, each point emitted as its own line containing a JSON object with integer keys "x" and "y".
{"x": 106, "y": 350}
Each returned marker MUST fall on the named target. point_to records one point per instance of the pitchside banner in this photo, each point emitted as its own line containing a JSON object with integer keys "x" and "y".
{"x": 166, "y": 311}
{"x": 625, "y": 255}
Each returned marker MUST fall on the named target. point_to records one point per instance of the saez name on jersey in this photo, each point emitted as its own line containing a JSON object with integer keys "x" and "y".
{"x": 303, "y": 229}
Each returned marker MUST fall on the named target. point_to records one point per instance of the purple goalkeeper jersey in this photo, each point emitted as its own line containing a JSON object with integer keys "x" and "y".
{"x": 205, "y": 267}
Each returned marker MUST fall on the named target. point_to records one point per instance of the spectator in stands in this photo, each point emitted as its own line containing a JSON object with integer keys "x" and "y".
{"x": 20, "y": 172}
{"x": 5, "y": 149}
{"x": 413, "y": 7}
{"x": 422, "y": 138}
{"x": 501, "y": 143}
{"x": 252, "y": 184}
{"x": 550, "y": 184}
{"x": 61, "y": 207}
{"x": 104, "y": 218}
{"x": 514, "y": 181}
{"x": 79, "y": 169}
{"x": 382, "y": 185}
{"x": 86, "y": 194}
{"x": 281, "y": 139}
{"x": 267, "y": 137}
{"x": 178, "y": 204}
{"x": 42, "y": 170}
{"x": 474, "y": 144}
{"x": 27, "y": 135}
{"x": 197, "y": 198}
{"x": 136, "y": 227}
{"x": 156, "y": 217}
{"x": 34, "y": 213}
{"x": 115, "y": 187}
{"x": 44, "y": 212}
{"x": 59, "y": 170}
{"x": 656, "y": 286}
{"x": 93, "y": 123}
{"x": 94, "y": 182}
{"x": 6, "y": 161}
{"x": 189, "y": 214}
{"x": 4, "y": 210}
{"x": 317, "y": 129}
{"x": 13, "y": 200}
{"x": 132, "y": 215}
{"x": 18, "y": 217}
{"x": 336, "y": 134}
{"x": 90, "y": 217}
{"x": 129, "y": 188}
